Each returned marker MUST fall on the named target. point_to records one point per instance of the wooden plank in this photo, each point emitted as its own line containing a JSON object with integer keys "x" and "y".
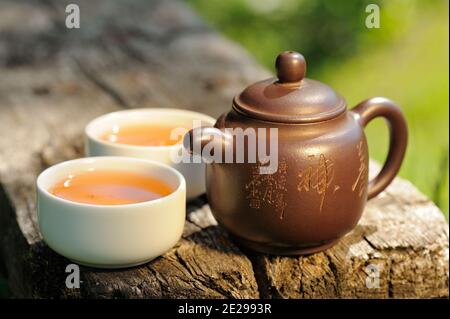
{"x": 159, "y": 53}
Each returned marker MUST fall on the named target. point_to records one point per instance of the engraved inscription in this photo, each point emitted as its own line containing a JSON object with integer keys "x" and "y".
{"x": 362, "y": 171}
{"x": 268, "y": 190}
{"x": 317, "y": 177}
{"x": 336, "y": 188}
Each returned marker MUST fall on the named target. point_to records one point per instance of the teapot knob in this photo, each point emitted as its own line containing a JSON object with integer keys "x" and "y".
{"x": 291, "y": 67}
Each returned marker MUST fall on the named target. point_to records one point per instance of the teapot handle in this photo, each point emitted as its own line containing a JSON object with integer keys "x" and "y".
{"x": 367, "y": 111}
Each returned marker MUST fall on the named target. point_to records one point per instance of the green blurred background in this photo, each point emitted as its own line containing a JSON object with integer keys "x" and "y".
{"x": 406, "y": 59}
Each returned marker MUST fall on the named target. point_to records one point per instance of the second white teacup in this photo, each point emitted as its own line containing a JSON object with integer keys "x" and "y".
{"x": 194, "y": 173}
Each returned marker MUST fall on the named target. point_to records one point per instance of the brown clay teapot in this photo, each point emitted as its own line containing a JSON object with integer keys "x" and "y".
{"x": 319, "y": 189}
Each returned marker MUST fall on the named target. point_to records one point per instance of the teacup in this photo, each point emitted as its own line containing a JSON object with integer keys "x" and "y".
{"x": 194, "y": 173}
{"x": 111, "y": 236}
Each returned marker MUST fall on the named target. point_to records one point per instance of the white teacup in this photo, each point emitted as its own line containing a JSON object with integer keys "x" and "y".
{"x": 194, "y": 173}
{"x": 111, "y": 236}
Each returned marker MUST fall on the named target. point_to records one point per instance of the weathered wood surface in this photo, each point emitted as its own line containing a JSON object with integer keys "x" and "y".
{"x": 159, "y": 53}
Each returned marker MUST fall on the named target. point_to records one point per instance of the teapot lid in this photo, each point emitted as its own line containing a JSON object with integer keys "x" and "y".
{"x": 290, "y": 98}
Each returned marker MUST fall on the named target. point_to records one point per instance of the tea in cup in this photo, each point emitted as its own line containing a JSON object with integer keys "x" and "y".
{"x": 108, "y": 187}
{"x": 111, "y": 212}
{"x": 154, "y": 134}
{"x": 148, "y": 134}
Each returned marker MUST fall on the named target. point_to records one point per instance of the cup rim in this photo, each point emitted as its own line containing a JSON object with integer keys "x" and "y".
{"x": 48, "y": 170}
{"x": 173, "y": 111}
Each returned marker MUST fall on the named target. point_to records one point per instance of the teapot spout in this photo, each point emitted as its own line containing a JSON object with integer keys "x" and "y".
{"x": 208, "y": 142}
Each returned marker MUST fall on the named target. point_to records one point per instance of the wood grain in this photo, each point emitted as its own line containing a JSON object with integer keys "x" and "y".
{"x": 160, "y": 54}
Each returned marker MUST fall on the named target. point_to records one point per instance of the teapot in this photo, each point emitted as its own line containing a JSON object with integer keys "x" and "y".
{"x": 318, "y": 190}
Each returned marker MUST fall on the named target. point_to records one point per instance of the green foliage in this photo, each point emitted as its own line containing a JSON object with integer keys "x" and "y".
{"x": 406, "y": 60}
{"x": 318, "y": 29}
